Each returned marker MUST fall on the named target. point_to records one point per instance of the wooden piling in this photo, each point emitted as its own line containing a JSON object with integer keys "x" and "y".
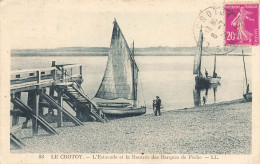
{"x": 51, "y": 93}
{"x": 40, "y": 104}
{"x": 53, "y": 63}
{"x": 33, "y": 102}
{"x": 60, "y": 101}
{"x": 62, "y": 74}
{"x": 51, "y": 89}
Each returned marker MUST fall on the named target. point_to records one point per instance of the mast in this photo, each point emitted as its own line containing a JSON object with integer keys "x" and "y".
{"x": 244, "y": 66}
{"x": 201, "y": 43}
{"x": 134, "y": 85}
{"x": 214, "y": 72}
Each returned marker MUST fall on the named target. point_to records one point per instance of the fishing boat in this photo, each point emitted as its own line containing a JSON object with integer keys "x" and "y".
{"x": 248, "y": 94}
{"x": 117, "y": 93}
{"x": 199, "y": 78}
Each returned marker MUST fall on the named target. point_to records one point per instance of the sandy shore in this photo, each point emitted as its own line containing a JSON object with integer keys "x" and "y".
{"x": 223, "y": 128}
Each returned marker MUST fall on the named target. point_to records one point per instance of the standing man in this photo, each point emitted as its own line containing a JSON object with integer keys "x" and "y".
{"x": 204, "y": 100}
{"x": 157, "y": 106}
{"x": 247, "y": 89}
{"x": 206, "y": 73}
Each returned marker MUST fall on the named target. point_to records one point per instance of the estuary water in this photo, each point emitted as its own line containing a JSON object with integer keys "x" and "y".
{"x": 170, "y": 77}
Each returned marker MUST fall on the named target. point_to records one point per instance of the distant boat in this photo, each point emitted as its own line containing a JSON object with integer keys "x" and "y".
{"x": 120, "y": 81}
{"x": 200, "y": 79}
{"x": 248, "y": 94}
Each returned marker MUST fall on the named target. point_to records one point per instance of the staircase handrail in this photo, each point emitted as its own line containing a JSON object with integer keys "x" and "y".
{"x": 72, "y": 78}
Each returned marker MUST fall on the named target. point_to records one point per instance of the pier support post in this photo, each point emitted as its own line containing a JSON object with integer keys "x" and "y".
{"x": 80, "y": 71}
{"x": 30, "y": 104}
{"x": 15, "y": 119}
{"x": 50, "y": 109}
{"x": 60, "y": 101}
{"x": 63, "y": 74}
{"x": 40, "y": 101}
{"x": 33, "y": 102}
{"x": 51, "y": 92}
{"x": 53, "y": 63}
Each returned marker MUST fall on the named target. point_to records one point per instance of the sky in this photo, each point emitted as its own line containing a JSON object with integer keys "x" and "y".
{"x": 76, "y": 23}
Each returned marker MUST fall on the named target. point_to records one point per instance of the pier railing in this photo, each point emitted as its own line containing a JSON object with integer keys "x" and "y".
{"x": 69, "y": 72}
{"x": 27, "y": 79}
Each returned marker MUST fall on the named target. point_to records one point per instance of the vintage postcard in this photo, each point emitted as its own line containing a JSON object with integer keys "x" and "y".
{"x": 122, "y": 81}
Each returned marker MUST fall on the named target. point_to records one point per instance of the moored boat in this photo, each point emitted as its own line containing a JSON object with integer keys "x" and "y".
{"x": 199, "y": 78}
{"x": 248, "y": 95}
{"x": 117, "y": 94}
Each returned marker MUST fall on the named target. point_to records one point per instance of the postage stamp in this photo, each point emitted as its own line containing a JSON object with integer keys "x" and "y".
{"x": 242, "y": 24}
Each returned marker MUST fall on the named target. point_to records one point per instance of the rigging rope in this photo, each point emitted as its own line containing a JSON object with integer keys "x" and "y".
{"x": 243, "y": 85}
{"x": 143, "y": 91}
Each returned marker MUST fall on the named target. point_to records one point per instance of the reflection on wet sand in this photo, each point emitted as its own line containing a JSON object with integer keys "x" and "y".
{"x": 200, "y": 94}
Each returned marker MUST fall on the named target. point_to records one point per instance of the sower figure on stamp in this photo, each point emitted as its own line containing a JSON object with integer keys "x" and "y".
{"x": 239, "y": 23}
{"x": 158, "y": 106}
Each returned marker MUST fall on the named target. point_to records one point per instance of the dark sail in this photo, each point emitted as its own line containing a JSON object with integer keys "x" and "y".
{"x": 121, "y": 68}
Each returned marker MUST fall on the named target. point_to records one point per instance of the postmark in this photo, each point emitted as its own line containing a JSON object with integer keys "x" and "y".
{"x": 242, "y": 24}
{"x": 212, "y": 22}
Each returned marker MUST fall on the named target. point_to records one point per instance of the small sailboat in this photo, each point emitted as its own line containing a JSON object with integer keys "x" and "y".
{"x": 200, "y": 79}
{"x": 117, "y": 94}
{"x": 248, "y": 94}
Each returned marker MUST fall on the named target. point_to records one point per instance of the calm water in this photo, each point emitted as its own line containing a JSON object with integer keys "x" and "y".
{"x": 170, "y": 78}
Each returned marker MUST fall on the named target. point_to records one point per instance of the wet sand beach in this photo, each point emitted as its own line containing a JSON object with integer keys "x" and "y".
{"x": 222, "y": 128}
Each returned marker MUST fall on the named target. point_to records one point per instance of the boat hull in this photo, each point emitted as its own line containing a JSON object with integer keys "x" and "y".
{"x": 248, "y": 96}
{"x": 114, "y": 104}
{"x": 200, "y": 80}
{"x": 127, "y": 111}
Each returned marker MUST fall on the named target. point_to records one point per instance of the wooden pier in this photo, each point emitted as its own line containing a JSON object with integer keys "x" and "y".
{"x": 46, "y": 91}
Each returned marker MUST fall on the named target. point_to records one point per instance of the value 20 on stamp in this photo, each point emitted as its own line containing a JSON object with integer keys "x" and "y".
{"x": 242, "y": 24}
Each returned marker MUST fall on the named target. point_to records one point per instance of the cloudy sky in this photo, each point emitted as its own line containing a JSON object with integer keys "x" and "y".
{"x": 51, "y": 24}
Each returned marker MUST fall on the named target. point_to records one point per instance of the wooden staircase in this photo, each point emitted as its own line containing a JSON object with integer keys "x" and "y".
{"x": 56, "y": 105}
{"x": 85, "y": 108}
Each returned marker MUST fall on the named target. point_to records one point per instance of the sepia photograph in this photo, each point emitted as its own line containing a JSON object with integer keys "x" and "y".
{"x": 129, "y": 81}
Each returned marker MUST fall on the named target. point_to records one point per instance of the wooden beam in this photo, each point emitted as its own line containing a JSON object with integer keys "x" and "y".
{"x": 16, "y": 141}
{"x": 50, "y": 110}
{"x": 56, "y": 105}
{"x": 15, "y": 119}
{"x": 25, "y": 108}
{"x": 60, "y": 101}
{"x": 62, "y": 74}
{"x": 40, "y": 105}
{"x": 36, "y": 100}
{"x": 80, "y": 70}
